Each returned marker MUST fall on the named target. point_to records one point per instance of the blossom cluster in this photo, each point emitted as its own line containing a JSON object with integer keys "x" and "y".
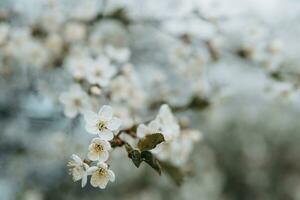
{"x": 102, "y": 124}
{"x": 178, "y": 144}
{"x": 174, "y": 148}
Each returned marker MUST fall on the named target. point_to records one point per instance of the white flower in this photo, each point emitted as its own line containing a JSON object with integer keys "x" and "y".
{"x": 120, "y": 55}
{"x": 122, "y": 89}
{"x": 78, "y": 169}
{"x": 125, "y": 114}
{"x": 54, "y": 43}
{"x": 127, "y": 88}
{"x": 52, "y": 19}
{"x": 163, "y": 151}
{"x": 74, "y": 32}
{"x": 103, "y": 123}
{"x": 108, "y": 32}
{"x": 143, "y": 130}
{"x": 168, "y": 123}
{"x": 182, "y": 148}
{"x": 100, "y": 72}
{"x": 178, "y": 150}
{"x": 98, "y": 150}
{"x": 85, "y": 10}
{"x": 75, "y": 100}
{"x": 25, "y": 49}
{"x": 193, "y": 135}
{"x": 101, "y": 175}
{"x": 78, "y": 65}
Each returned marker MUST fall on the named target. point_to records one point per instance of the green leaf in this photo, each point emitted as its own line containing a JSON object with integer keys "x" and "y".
{"x": 150, "y": 141}
{"x": 134, "y": 155}
{"x": 148, "y": 157}
{"x": 175, "y": 173}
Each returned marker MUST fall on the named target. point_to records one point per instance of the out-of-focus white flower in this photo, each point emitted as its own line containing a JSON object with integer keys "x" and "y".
{"x": 4, "y": 31}
{"x": 25, "y": 49}
{"x": 123, "y": 112}
{"x": 98, "y": 150}
{"x": 127, "y": 88}
{"x": 101, "y": 175}
{"x": 108, "y": 32}
{"x": 122, "y": 89}
{"x": 54, "y": 43}
{"x": 143, "y": 130}
{"x": 163, "y": 151}
{"x": 75, "y": 100}
{"x": 52, "y": 19}
{"x": 33, "y": 195}
{"x": 85, "y": 10}
{"x": 95, "y": 90}
{"x": 193, "y": 135}
{"x": 120, "y": 55}
{"x": 78, "y": 169}
{"x": 100, "y": 72}
{"x": 77, "y": 66}
{"x": 79, "y": 51}
{"x": 74, "y": 32}
{"x": 168, "y": 123}
{"x": 181, "y": 149}
{"x": 102, "y": 123}
{"x": 129, "y": 139}
{"x": 275, "y": 46}
{"x": 178, "y": 150}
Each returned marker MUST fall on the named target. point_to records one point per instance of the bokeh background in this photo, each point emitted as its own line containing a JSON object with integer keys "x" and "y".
{"x": 247, "y": 69}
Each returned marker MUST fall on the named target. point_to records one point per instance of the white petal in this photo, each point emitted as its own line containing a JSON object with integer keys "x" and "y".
{"x": 98, "y": 181}
{"x": 103, "y": 182}
{"x": 165, "y": 111}
{"x": 92, "y": 155}
{"x": 91, "y": 128}
{"x": 102, "y": 165}
{"x": 70, "y": 111}
{"x": 76, "y": 89}
{"x": 106, "y": 135}
{"x": 111, "y": 175}
{"x": 91, "y": 170}
{"x": 114, "y": 124}
{"x": 105, "y": 144}
{"x": 77, "y": 173}
{"x": 111, "y": 71}
{"x": 95, "y": 180}
{"x": 90, "y": 117}
{"x": 154, "y": 126}
{"x": 102, "y": 61}
{"x": 84, "y": 180}
{"x": 91, "y": 146}
{"x": 76, "y": 159}
{"x": 105, "y": 113}
{"x": 64, "y": 98}
{"x": 103, "y": 156}
{"x": 142, "y": 130}
{"x": 103, "y": 81}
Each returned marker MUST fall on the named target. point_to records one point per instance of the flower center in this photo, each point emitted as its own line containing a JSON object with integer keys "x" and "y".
{"x": 98, "y": 72}
{"x": 77, "y": 102}
{"x": 102, "y": 172}
{"x": 99, "y": 148}
{"x": 101, "y": 126}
